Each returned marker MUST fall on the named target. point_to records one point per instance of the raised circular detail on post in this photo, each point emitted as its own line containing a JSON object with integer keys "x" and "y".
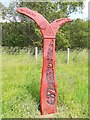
{"x": 43, "y": 25}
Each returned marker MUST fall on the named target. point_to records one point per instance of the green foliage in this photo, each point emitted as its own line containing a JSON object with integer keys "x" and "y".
{"x": 21, "y": 34}
{"x": 61, "y": 41}
{"x": 53, "y": 10}
{"x": 21, "y": 31}
{"x": 88, "y": 34}
{"x": 21, "y": 76}
{"x": 79, "y": 34}
{"x": 50, "y": 10}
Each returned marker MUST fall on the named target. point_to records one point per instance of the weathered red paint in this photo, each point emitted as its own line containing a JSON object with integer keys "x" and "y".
{"x": 48, "y": 88}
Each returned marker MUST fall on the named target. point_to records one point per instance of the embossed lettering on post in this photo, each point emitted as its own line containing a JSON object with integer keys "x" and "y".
{"x": 28, "y": 12}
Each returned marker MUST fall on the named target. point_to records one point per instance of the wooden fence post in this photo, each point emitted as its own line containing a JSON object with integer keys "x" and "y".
{"x": 36, "y": 52}
{"x": 68, "y": 55}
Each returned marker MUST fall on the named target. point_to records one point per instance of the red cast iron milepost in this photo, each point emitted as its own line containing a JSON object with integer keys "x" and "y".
{"x": 48, "y": 88}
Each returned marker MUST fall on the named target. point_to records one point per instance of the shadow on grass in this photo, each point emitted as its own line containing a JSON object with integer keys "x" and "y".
{"x": 33, "y": 89}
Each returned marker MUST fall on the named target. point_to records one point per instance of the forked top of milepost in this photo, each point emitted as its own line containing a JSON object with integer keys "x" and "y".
{"x": 37, "y": 17}
{"x": 47, "y": 30}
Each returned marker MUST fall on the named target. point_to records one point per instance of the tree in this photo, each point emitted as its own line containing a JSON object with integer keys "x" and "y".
{"x": 53, "y": 10}
{"x": 79, "y": 34}
{"x": 21, "y": 31}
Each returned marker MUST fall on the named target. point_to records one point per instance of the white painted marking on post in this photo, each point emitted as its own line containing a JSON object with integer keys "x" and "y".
{"x": 68, "y": 54}
{"x": 36, "y": 52}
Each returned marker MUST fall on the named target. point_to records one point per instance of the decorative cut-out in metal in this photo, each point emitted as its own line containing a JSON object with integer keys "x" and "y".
{"x": 48, "y": 88}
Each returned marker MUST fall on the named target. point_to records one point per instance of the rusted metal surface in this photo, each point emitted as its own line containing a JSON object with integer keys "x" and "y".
{"x": 48, "y": 87}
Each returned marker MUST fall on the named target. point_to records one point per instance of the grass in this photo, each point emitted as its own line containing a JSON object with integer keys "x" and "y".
{"x": 21, "y": 75}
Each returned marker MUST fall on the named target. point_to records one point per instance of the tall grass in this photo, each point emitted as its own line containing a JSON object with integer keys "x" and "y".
{"x": 21, "y": 75}
{"x": 0, "y": 81}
